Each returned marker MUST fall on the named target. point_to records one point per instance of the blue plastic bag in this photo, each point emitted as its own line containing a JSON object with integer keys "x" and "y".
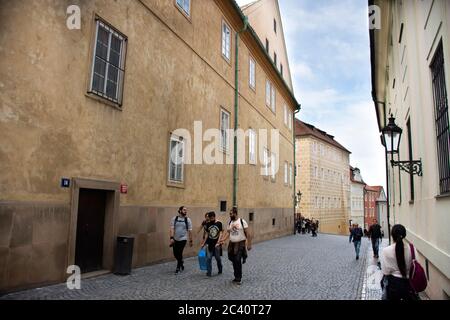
{"x": 202, "y": 259}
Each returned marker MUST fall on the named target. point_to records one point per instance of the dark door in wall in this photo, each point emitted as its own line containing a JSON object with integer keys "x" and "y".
{"x": 90, "y": 230}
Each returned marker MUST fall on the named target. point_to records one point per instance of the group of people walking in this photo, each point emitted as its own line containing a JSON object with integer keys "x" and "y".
{"x": 214, "y": 237}
{"x": 397, "y": 261}
{"x": 304, "y": 225}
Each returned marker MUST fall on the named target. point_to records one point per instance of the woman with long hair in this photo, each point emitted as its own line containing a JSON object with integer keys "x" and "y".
{"x": 395, "y": 264}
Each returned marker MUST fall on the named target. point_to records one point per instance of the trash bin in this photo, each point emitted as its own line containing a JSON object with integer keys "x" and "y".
{"x": 124, "y": 255}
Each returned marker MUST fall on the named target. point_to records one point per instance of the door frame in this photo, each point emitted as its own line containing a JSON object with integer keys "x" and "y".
{"x": 111, "y": 218}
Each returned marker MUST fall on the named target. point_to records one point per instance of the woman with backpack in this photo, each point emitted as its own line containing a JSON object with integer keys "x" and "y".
{"x": 396, "y": 262}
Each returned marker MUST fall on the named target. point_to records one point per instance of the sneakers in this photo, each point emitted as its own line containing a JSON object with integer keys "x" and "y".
{"x": 220, "y": 272}
{"x": 236, "y": 281}
{"x": 182, "y": 267}
{"x": 177, "y": 270}
{"x": 357, "y": 257}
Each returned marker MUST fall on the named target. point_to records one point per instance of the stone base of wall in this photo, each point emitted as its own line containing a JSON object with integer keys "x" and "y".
{"x": 34, "y": 237}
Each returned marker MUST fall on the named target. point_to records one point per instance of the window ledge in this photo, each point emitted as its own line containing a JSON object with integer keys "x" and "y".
{"x": 103, "y": 100}
{"x": 411, "y": 201}
{"x": 178, "y": 185}
{"x": 443, "y": 196}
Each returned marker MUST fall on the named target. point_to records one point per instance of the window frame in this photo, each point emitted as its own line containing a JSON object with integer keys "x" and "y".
{"x": 224, "y": 23}
{"x": 179, "y": 140}
{"x": 273, "y": 163}
{"x": 290, "y": 175}
{"x": 102, "y": 96}
{"x": 252, "y": 146}
{"x": 226, "y": 148}
{"x": 252, "y": 76}
{"x": 266, "y": 154}
{"x": 286, "y": 173}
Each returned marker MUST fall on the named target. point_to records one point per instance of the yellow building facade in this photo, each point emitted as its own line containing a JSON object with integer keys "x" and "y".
{"x": 322, "y": 179}
{"x": 92, "y": 115}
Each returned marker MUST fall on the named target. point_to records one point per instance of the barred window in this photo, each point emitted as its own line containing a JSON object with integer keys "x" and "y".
{"x": 176, "y": 159}
{"x": 108, "y": 64}
{"x": 226, "y": 41}
{"x": 441, "y": 118}
{"x": 224, "y": 130}
{"x": 252, "y": 73}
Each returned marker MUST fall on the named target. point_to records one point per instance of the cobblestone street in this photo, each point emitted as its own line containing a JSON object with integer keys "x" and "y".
{"x": 289, "y": 268}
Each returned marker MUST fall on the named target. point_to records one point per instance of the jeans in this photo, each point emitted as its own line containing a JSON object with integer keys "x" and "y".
{"x": 209, "y": 255}
{"x": 357, "y": 245}
{"x": 375, "y": 246}
{"x": 178, "y": 248}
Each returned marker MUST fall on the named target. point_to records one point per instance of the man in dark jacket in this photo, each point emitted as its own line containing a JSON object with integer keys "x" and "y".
{"x": 375, "y": 236}
{"x": 357, "y": 235}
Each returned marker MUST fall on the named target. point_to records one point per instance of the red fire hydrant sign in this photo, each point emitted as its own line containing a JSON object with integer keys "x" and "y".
{"x": 123, "y": 188}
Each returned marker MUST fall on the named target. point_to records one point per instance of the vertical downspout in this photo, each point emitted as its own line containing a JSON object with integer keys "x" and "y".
{"x": 236, "y": 110}
{"x": 295, "y": 166}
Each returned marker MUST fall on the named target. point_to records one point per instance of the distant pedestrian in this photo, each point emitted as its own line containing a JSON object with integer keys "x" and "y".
{"x": 351, "y": 233}
{"x": 357, "y": 235}
{"x": 395, "y": 264}
{"x": 214, "y": 233}
{"x": 240, "y": 237}
{"x": 299, "y": 225}
{"x": 313, "y": 229}
{"x": 303, "y": 226}
{"x": 374, "y": 234}
{"x": 180, "y": 230}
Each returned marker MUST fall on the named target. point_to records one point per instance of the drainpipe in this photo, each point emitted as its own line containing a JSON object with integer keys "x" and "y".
{"x": 236, "y": 110}
{"x": 295, "y": 164}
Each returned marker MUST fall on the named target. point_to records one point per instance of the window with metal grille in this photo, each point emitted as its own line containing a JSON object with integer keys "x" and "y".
{"x": 176, "y": 159}
{"x": 441, "y": 119}
{"x": 224, "y": 130}
{"x": 226, "y": 41}
{"x": 108, "y": 63}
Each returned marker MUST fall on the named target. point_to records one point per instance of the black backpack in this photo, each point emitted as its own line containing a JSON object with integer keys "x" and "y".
{"x": 185, "y": 221}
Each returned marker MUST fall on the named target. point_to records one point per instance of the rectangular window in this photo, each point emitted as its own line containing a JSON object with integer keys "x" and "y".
{"x": 290, "y": 174}
{"x": 275, "y": 25}
{"x": 285, "y": 115}
{"x": 252, "y": 146}
{"x": 224, "y": 130}
{"x": 281, "y": 69}
{"x": 286, "y": 180}
{"x": 441, "y": 119}
{"x": 268, "y": 92}
{"x": 272, "y": 98}
{"x": 252, "y": 73}
{"x": 410, "y": 153}
{"x": 267, "y": 45}
{"x": 251, "y": 216}
{"x": 266, "y": 162}
{"x": 275, "y": 58}
{"x": 226, "y": 41}
{"x": 176, "y": 159}
{"x": 108, "y": 65}
{"x": 223, "y": 206}
{"x": 185, "y": 5}
{"x": 273, "y": 163}
{"x": 290, "y": 121}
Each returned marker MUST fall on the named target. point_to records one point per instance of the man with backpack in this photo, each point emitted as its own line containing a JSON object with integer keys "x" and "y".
{"x": 180, "y": 230}
{"x": 240, "y": 237}
{"x": 374, "y": 234}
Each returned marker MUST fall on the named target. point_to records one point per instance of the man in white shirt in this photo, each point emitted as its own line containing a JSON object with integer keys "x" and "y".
{"x": 240, "y": 237}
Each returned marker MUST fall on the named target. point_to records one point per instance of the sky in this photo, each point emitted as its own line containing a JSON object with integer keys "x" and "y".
{"x": 329, "y": 58}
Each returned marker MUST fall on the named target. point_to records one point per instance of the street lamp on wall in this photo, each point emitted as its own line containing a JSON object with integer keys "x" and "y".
{"x": 391, "y": 141}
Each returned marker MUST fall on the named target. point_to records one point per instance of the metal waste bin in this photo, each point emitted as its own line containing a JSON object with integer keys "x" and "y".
{"x": 124, "y": 255}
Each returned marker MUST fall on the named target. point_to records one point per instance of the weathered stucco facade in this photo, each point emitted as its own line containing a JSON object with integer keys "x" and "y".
{"x": 411, "y": 81}
{"x": 52, "y": 128}
{"x": 322, "y": 178}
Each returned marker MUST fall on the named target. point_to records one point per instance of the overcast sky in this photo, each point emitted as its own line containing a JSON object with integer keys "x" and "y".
{"x": 329, "y": 57}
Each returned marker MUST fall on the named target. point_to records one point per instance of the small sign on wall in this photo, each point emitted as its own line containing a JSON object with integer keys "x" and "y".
{"x": 123, "y": 188}
{"x": 65, "y": 183}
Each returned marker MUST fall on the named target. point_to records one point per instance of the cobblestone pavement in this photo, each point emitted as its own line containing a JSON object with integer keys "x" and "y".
{"x": 289, "y": 268}
{"x": 371, "y": 284}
